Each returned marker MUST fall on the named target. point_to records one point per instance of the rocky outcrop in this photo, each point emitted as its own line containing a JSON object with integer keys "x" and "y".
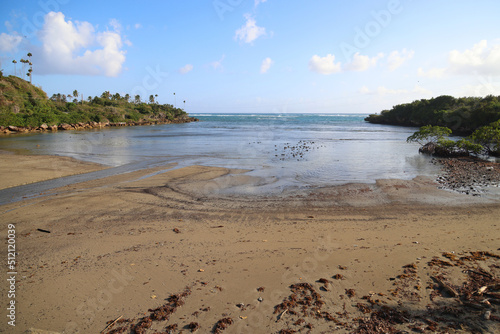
{"x": 65, "y": 126}
{"x": 428, "y": 148}
{"x": 91, "y": 125}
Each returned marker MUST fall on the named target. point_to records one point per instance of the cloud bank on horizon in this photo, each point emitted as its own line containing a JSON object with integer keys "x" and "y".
{"x": 259, "y": 56}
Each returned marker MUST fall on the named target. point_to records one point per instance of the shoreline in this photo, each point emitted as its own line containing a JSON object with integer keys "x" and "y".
{"x": 10, "y": 129}
{"x": 125, "y": 244}
{"x": 18, "y": 170}
{"x": 461, "y": 175}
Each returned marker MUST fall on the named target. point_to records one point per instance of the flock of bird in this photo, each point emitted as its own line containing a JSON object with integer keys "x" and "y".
{"x": 297, "y": 151}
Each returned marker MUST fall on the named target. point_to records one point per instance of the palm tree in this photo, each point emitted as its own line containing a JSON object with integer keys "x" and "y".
{"x": 137, "y": 99}
{"x": 156, "y": 98}
{"x": 24, "y": 61}
{"x": 127, "y": 97}
{"x": 175, "y": 101}
{"x": 15, "y": 70}
{"x": 31, "y": 66}
{"x": 184, "y": 104}
{"x": 29, "y": 73}
{"x": 151, "y": 99}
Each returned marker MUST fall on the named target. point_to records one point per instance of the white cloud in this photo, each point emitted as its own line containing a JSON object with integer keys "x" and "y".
{"x": 67, "y": 48}
{"x": 266, "y": 65}
{"x": 396, "y": 58}
{"x": 327, "y": 65}
{"x": 480, "y": 58}
{"x": 362, "y": 63}
{"x": 9, "y": 43}
{"x": 324, "y": 65}
{"x": 218, "y": 63}
{"x": 115, "y": 24}
{"x": 258, "y": 2}
{"x": 250, "y": 31}
{"x": 137, "y": 26}
{"x": 186, "y": 69}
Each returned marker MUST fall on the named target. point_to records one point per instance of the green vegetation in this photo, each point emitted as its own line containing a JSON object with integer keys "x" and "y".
{"x": 461, "y": 115}
{"x": 489, "y": 138}
{"x": 24, "y": 105}
{"x": 429, "y": 133}
{"x": 434, "y": 140}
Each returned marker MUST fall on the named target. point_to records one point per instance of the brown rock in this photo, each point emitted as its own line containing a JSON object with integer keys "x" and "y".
{"x": 44, "y": 127}
{"x": 13, "y": 128}
{"x": 65, "y": 126}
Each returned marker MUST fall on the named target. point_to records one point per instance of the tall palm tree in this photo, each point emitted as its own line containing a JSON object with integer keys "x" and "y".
{"x": 175, "y": 101}
{"x": 15, "y": 70}
{"x": 24, "y": 61}
{"x": 30, "y": 71}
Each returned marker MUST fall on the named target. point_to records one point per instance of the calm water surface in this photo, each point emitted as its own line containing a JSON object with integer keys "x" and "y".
{"x": 286, "y": 150}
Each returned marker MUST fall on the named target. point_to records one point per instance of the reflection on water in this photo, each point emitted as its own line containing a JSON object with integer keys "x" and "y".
{"x": 333, "y": 149}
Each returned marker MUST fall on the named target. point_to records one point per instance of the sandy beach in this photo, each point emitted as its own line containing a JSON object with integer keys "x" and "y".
{"x": 176, "y": 252}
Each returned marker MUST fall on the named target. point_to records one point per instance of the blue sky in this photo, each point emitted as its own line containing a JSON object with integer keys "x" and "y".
{"x": 258, "y": 55}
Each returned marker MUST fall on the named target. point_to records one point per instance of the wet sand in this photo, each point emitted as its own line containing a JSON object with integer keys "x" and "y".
{"x": 16, "y": 170}
{"x": 122, "y": 245}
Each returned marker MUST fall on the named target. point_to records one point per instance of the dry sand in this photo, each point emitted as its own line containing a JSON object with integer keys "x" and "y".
{"x": 122, "y": 245}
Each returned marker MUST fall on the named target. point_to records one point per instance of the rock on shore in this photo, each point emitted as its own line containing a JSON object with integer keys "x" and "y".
{"x": 90, "y": 125}
{"x": 468, "y": 175}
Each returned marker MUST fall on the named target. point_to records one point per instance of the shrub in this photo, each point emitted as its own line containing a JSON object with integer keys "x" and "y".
{"x": 433, "y": 140}
{"x": 489, "y": 138}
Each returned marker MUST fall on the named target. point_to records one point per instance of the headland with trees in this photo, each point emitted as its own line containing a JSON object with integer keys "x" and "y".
{"x": 462, "y": 115}
{"x": 27, "y": 108}
{"x": 475, "y": 118}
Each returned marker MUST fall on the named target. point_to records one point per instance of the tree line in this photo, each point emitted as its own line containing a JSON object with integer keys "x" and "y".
{"x": 25, "y": 105}
{"x": 462, "y": 115}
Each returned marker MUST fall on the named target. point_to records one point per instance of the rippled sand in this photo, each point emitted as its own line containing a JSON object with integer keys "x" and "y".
{"x": 121, "y": 245}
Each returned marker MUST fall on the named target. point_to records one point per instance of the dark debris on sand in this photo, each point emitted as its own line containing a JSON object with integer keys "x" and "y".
{"x": 450, "y": 293}
{"x": 473, "y": 306}
{"x": 468, "y": 175}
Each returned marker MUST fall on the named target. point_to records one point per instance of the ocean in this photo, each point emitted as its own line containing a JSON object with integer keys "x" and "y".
{"x": 284, "y": 150}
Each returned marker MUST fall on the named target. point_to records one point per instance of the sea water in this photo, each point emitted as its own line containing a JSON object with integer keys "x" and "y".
{"x": 285, "y": 150}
